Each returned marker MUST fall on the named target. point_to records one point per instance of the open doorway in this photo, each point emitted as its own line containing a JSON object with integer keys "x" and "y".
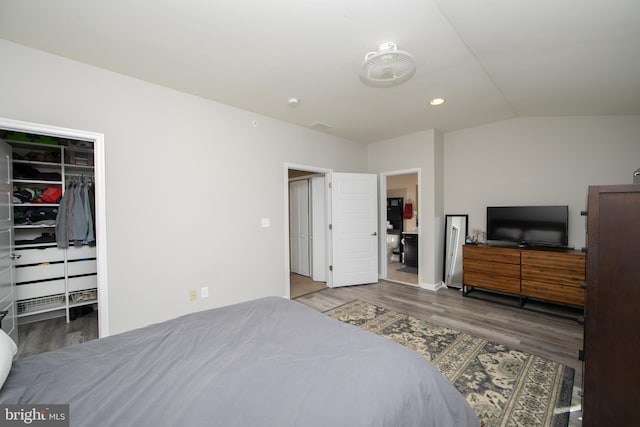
{"x": 68, "y": 291}
{"x": 399, "y": 199}
{"x": 346, "y": 237}
{"x": 307, "y": 226}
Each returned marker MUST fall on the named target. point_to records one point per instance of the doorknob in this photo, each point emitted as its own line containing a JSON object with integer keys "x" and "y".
{"x": 374, "y": 233}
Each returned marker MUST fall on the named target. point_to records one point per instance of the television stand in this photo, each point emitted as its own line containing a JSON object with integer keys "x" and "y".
{"x": 529, "y": 274}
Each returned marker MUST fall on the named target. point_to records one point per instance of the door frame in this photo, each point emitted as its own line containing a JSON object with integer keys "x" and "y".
{"x": 100, "y": 202}
{"x": 383, "y": 217}
{"x": 309, "y": 232}
{"x": 287, "y": 268}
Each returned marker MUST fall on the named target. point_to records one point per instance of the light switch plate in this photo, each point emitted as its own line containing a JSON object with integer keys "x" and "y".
{"x": 266, "y": 223}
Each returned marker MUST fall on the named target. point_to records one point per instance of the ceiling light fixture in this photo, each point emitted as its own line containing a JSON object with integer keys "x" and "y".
{"x": 436, "y": 101}
{"x": 387, "y": 67}
{"x": 293, "y": 102}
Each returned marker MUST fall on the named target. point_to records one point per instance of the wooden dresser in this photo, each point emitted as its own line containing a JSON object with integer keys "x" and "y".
{"x": 612, "y": 310}
{"x": 548, "y": 275}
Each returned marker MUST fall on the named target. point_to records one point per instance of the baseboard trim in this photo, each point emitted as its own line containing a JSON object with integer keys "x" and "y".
{"x": 432, "y": 286}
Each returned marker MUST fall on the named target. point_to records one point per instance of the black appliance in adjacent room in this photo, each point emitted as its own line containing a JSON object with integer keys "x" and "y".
{"x": 410, "y": 241}
{"x": 395, "y": 206}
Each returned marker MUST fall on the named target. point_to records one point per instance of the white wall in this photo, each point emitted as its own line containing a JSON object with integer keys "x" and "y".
{"x": 538, "y": 161}
{"x": 422, "y": 150}
{"x": 187, "y": 182}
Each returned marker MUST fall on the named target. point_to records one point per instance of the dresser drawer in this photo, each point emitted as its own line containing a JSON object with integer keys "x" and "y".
{"x": 553, "y": 276}
{"x": 568, "y": 261}
{"x": 493, "y": 254}
{"x": 565, "y": 294}
{"x": 37, "y": 256}
{"x": 492, "y": 268}
{"x": 81, "y": 252}
{"x": 39, "y": 272}
{"x": 491, "y": 281}
{"x": 76, "y": 268}
{"x": 82, "y": 282}
{"x": 40, "y": 289}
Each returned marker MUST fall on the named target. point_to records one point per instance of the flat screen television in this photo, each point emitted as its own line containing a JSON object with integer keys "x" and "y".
{"x": 528, "y": 225}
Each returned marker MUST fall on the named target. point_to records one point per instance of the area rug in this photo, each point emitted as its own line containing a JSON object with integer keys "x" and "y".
{"x": 506, "y": 387}
{"x": 412, "y": 270}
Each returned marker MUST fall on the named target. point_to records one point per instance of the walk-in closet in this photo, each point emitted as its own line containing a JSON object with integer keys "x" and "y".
{"x": 53, "y": 239}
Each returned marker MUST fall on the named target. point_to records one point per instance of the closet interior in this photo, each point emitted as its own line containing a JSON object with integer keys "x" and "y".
{"x": 53, "y": 210}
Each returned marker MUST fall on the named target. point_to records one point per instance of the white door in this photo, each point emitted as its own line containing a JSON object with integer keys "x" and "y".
{"x": 354, "y": 219}
{"x": 7, "y": 282}
{"x": 299, "y": 227}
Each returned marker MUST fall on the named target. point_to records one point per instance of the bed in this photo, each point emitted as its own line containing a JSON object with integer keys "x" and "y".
{"x": 267, "y": 362}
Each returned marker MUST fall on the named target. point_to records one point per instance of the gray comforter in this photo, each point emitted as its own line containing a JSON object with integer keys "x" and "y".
{"x": 268, "y": 362}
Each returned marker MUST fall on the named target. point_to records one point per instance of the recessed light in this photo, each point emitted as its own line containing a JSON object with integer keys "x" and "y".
{"x": 293, "y": 102}
{"x": 436, "y": 101}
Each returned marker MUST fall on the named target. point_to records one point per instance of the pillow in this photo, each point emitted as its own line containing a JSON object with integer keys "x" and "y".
{"x": 8, "y": 349}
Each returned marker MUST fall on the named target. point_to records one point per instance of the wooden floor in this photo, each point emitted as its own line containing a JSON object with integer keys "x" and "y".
{"x": 49, "y": 335}
{"x": 394, "y": 275}
{"x": 301, "y": 285}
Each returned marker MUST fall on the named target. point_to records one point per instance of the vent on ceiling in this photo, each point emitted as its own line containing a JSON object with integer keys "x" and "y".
{"x": 322, "y": 127}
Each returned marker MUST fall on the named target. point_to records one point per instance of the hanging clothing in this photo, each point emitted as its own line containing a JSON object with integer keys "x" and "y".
{"x": 74, "y": 221}
{"x": 89, "y": 236}
{"x": 78, "y": 219}
{"x": 62, "y": 219}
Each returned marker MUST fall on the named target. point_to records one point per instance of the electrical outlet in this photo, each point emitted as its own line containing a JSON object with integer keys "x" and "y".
{"x": 193, "y": 295}
{"x": 204, "y": 292}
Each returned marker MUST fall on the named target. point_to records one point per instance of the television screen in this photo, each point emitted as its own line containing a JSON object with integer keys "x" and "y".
{"x": 528, "y": 225}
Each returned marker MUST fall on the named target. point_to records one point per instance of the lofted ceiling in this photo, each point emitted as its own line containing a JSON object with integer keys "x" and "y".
{"x": 490, "y": 60}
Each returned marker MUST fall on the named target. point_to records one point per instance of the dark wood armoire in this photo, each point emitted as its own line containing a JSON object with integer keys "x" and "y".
{"x": 612, "y": 310}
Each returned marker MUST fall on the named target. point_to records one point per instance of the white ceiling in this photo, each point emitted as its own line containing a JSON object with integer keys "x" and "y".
{"x": 491, "y": 60}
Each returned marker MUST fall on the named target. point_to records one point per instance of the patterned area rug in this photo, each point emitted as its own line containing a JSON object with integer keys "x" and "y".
{"x": 505, "y": 387}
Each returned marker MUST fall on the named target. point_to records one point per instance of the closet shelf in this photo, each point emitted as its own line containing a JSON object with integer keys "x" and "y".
{"x": 37, "y": 205}
{"x": 37, "y": 163}
{"x": 49, "y": 279}
{"x": 35, "y": 245}
{"x": 36, "y": 181}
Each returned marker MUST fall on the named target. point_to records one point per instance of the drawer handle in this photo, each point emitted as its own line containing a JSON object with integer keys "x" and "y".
{"x": 14, "y": 257}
